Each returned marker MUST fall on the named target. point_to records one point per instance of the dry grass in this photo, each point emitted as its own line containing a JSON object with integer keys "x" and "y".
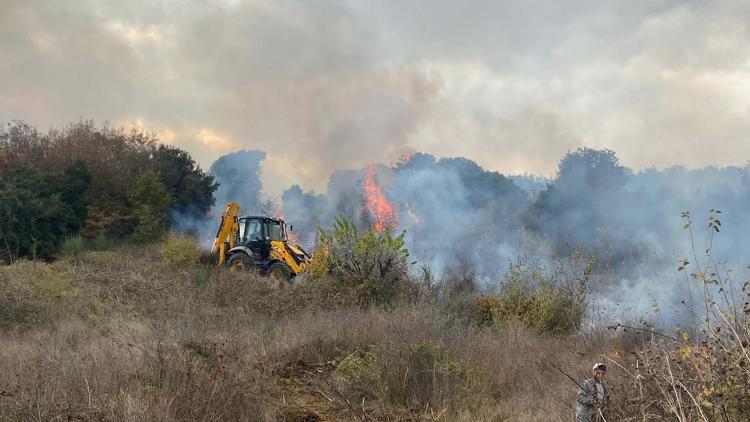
{"x": 120, "y": 336}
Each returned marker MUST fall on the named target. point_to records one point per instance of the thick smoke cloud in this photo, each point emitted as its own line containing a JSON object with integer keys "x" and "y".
{"x": 462, "y": 218}
{"x": 238, "y": 177}
{"x": 459, "y": 216}
{"x": 627, "y": 218}
{"x": 325, "y": 85}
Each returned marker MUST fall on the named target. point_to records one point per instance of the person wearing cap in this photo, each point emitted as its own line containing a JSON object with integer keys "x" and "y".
{"x": 593, "y": 395}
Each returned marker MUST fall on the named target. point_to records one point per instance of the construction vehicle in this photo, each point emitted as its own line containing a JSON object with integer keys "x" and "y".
{"x": 257, "y": 243}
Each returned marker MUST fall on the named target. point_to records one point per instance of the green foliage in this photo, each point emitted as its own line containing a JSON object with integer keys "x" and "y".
{"x": 180, "y": 250}
{"x": 190, "y": 187}
{"x": 73, "y": 247}
{"x": 74, "y": 187}
{"x": 552, "y": 303}
{"x": 91, "y": 170}
{"x": 374, "y": 264}
{"x": 151, "y": 203}
{"x": 37, "y": 212}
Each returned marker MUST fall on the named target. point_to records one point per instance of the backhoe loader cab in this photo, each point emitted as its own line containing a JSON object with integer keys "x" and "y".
{"x": 257, "y": 233}
{"x": 257, "y": 243}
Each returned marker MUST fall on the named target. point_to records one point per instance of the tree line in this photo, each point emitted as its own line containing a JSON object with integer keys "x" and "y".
{"x": 93, "y": 182}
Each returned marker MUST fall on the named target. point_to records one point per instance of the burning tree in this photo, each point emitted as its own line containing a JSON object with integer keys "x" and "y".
{"x": 377, "y": 206}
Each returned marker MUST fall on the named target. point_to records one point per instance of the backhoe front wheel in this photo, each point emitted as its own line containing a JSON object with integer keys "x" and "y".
{"x": 279, "y": 271}
{"x": 240, "y": 262}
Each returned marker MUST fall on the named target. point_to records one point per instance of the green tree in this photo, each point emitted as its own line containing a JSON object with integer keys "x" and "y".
{"x": 151, "y": 202}
{"x": 34, "y": 216}
{"x": 191, "y": 188}
{"x": 75, "y": 183}
{"x": 574, "y": 209}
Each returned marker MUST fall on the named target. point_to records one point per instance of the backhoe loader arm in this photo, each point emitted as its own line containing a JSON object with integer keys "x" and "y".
{"x": 292, "y": 255}
{"x": 227, "y": 234}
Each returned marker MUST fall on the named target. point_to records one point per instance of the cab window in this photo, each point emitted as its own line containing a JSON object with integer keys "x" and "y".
{"x": 252, "y": 231}
{"x": 274, "y": 229}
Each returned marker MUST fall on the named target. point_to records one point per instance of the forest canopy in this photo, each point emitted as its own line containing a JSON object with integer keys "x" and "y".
{"x": 89, "y": 181}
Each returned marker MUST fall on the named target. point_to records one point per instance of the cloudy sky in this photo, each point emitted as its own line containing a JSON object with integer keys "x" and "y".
{"x": 320, "y": 85}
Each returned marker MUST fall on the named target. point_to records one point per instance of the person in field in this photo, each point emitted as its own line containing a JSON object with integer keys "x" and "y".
{"x": 593, "y": 396}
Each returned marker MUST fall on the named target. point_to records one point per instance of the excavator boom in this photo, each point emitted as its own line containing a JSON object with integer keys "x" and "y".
{"x": 227, "y": 234}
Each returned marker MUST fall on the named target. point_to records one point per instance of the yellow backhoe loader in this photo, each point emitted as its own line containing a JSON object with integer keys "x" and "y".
{"x": 257, "y": 243}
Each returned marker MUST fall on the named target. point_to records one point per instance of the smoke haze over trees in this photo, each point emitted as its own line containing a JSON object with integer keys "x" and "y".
{"x": 238, "y": 178}
{"x": 447, "y": 204}
{"x": 459, "y": 216}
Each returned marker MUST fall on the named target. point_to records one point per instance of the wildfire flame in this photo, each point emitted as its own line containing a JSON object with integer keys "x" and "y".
{"x": 278, "y": 213}
{"x": 377, "y": 206}
{"x": 405, "y": 157}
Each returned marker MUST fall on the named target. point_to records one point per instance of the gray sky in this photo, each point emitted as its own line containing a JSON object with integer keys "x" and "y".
{"x": 320, "y": 85}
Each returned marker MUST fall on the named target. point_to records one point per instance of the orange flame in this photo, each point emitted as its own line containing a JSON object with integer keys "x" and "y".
{"x": 377, "y": 206}
{"x": 278, "y": 213}
{"x": 405, "y": 157}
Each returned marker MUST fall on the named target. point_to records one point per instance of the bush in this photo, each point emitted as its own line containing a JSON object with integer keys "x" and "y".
{"x": 180, "y": 250}
{"x": 317, "y": 268}
{"x": 375, "y": 265}
{"x": 553, "y": 303}
{"x": 425, "y": 373}
{"x": 73, "y": 247}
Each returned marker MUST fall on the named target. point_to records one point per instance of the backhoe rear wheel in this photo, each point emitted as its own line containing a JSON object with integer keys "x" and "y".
{"x": 279, "y": 271}
{"x": 240, "y": 262}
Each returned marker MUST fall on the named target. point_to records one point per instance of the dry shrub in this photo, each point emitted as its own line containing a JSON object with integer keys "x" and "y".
{"x": 30, "y": 292}
{"x": 551, "y": 302}
{"x": 412, "y": 362}
{"x": 131, "y": 371}
{"x": 705, "y": 377}
{"x": 688, "y": 379}
{"x": 179, "y": 249}
{"x": 135, "y": 339}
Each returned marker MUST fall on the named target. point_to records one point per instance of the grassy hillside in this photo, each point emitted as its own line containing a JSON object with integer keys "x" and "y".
{"x": 119, "y": 335}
